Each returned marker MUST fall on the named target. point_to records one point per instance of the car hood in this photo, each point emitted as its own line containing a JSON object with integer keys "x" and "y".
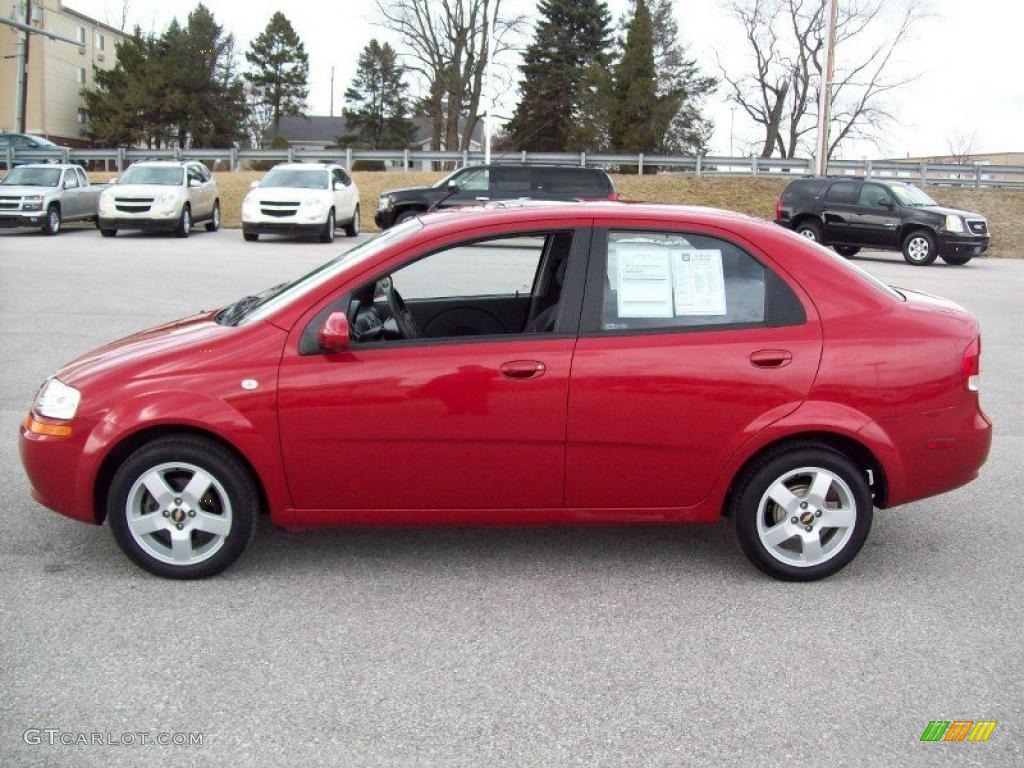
{"x": 943, "y": 211}
{"x": 403, "y": 190}
{"x": 151, "y": 190}
{"x": 20, "y": 190}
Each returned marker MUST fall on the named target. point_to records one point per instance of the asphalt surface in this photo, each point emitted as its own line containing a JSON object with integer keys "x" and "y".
{"x": 596, "y": 647}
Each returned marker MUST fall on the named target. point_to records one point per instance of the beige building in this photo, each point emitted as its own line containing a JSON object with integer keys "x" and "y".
{"x": 57, "y": 70}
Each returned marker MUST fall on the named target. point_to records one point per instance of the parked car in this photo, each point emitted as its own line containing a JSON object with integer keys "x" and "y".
{"x": 24, "y": 142}
{"x": 47, "y": 195}
{"x": 479, "y": 184}
{"x": 302, "y": 198}
{"x": 661, "y": 365}
{"x": 161, "y": 195}
{"x": 851, "y": 214}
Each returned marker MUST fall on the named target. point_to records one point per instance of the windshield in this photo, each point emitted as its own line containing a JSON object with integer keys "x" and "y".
{"x": 167, "y": 176}
{"x": 264, "y": 304}
{"x": 33, "y": 177}
{"x": 297, "y": 179}
{"x": 910, "y": 195}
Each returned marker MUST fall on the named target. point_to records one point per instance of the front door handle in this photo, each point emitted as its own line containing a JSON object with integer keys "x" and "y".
{"x": 523, "y": 369}
{"x": 771, "y": 358}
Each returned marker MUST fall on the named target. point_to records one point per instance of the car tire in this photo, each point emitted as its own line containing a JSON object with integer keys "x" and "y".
{"x": 809, "y": 229}
{"x": 185, "y": 534}
{"x": 955, "y": 261}
{"x": 813, "y": 485}
{"x": 406, "y": 215}
{"x": 352, "y": 228}
{"x": 919, "y": 248}
{"x": 214, "y": 223}
{"x": 846, "y": 251}
{"x": 184, "y": 222}
{"x": 327, "y": 235}
{"x": 250, "y": 237}
{"x": 51, "y": 226}
{"x": 108, "y": 232}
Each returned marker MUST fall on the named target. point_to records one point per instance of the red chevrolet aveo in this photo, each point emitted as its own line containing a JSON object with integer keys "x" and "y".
{"x": 593, "y": 363}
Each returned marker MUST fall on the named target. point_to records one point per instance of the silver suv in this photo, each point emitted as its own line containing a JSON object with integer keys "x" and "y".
{"x": 164, "y": 196}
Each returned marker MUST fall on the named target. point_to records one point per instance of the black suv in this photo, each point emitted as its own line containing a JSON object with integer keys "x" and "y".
{"x": 479, "y": 184}
{"x": 850, "y": 214}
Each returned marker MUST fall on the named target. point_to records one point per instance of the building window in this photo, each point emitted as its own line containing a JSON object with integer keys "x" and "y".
{"x": 101, "y": 42}
{"x": 80, "y": 35}
{"x": 81, "y": 75}
{"x": 81, "y": 117}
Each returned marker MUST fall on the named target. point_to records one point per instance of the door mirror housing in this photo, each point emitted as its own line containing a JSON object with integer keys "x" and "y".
{"x": 453, "y": 187}
{"x": 115, "y": 180}
{"x": 888, "y": 204}
{"x": 195, "y": 183}
{"x": 338, "y": 186}
{"x": 334, "y": 335}
{"x": 254, "y": 184}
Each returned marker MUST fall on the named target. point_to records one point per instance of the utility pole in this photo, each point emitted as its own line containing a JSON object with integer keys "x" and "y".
{"x": 487, "y": 82}
{"x": 825, "y": 96}
{"x": 332, "y": 90}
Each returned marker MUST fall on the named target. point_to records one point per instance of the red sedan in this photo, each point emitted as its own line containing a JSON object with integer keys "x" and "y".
{"x": 592, "y": 363}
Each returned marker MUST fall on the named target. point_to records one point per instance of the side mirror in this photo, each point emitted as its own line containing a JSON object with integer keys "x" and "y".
{"x": 338, "y": 186}
{"x": 453, "y": 187}
{"x": 334, "y": 335}
{"x": 254, "y": 185}
{"x": 195, "y": 183}
{"x": 115, "y": 180}
{"x": 888, "y": 205}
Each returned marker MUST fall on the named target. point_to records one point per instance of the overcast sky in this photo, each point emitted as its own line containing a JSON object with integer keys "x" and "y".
{"x": 968, "y": 55}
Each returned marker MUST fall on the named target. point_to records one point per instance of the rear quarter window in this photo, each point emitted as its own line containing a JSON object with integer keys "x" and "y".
{"x": 800, "y": 191}
{"x": 581, "y": 182}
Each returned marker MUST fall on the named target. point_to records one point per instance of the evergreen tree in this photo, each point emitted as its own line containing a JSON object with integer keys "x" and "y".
{"x": 637, "y": 117}
{"x": 564, "y": 78}
{"x": 377, "y": 117}
{"x": 280, "y": 69}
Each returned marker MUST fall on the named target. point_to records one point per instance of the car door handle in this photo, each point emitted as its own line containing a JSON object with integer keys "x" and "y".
{"x": 771, "y": 358}
{"x": 523, "y": 369}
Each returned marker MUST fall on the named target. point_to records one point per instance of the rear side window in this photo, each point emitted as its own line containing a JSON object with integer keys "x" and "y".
{"x": 668, "y": 280}
{"x": 842, "y": 192}
{"x": 82, "y": 179}
{"x": 800, "y": 191}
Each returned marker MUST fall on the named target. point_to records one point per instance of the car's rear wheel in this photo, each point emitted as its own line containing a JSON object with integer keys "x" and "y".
{"x": 802, "y": 513}
{"x": 846, "y": 251}
{"x": 214, "y": 223}
{"x": 327, "y": 235}
{"x": 352, "y": 228}
{"x": 919, "y": 248}
{"x": 251, "y": 237}
{"x": 956, "y": 261}
{"x": 809, "y": 229}
{"x": 52, "y": 224}
{"x": 182, "y": 507}
{"x": 184, "y": 223}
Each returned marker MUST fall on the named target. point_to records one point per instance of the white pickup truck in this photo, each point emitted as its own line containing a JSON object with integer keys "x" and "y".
{"x": 45, "y": 195}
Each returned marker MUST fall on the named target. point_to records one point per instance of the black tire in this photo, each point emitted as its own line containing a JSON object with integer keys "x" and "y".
{"x": 919, "y": 248}
{"x": 51, "y": 226}
{"x": 352, "y": 228}
{"x": 214, "y": 223}
{"x": 327, "y": 235}
{"x": 752, "y": 487}
{"x": 955, "y": 261}
{"x": 108, "y": 232}
{"x": 810, "y": 229}
{"x": 250, "y": 237}
{"x": 184, "y": 222}
{"x": 213, "y": 458}
{"x": 846, "y": 251}
{"x": 406, "y": 215}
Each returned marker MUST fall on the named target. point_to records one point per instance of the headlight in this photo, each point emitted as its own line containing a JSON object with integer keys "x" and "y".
{"x": 56, "y": 400}
{"x": 166, "y": 197}
{"x": 312, "y": 202}
{"x": 384, "y": 203}
{"x": 954, "y": 223}
{"x": 106, "y": 202}
{"x": 33, "y": 203}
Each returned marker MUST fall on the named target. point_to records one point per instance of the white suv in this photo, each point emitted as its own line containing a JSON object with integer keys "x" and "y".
{"x": 160, "y": 195}
{"x": 302, "y": 198}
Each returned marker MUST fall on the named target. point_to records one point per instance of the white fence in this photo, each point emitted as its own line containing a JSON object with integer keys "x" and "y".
{"x": 924, "y": 173}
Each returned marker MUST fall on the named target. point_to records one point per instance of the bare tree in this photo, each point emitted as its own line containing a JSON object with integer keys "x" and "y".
{"x": 786, "y": 40}
{"x": 962, "y": 146}
{"x": 446, "y": 44}
{"x": 121, "y": 19}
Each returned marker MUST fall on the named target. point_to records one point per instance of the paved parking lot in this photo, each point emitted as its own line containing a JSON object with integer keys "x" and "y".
{"x": 597, "y": 647}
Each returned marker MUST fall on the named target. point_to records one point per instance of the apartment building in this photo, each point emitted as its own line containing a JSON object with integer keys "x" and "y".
{"x": 57, "y": 70}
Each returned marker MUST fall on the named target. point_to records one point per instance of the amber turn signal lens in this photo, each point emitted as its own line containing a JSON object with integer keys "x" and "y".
{"x": 37, "y": 427}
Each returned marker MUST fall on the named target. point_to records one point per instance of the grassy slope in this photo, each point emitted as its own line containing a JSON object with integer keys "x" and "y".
{"x": 1004, "y": 208}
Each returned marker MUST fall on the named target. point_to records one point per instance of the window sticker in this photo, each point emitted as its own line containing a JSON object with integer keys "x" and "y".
{"x": 699, "y": 282}
{"x": 644, "y": 281}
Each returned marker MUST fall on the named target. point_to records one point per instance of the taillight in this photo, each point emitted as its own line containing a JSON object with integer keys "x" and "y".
{"x": 613, "y": 195}
{"x": 778, "y": 208}
{"x": 970, "y": 365}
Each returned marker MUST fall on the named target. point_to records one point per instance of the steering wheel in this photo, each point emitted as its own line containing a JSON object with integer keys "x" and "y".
{"x": 403, "y": 317}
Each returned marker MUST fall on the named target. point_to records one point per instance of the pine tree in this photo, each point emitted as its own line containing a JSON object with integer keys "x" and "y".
{"x": 564, "y": 74}
{"x": 377, "y": 117}
{"x": 280, "y": 69}
{"x": 636, "y": 116}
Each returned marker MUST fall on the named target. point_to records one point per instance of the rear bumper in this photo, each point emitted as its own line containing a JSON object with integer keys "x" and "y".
{"x": 787, "y": 223}
{"x": 951, "y": 244}
{"x": 146, "y": 225}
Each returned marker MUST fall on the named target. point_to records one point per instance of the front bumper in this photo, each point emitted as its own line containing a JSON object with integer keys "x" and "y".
{"x": 966, "y": 244}
{"x": 384, "y": 219}
{"x": 282, "y": 227}
{"x": 32, "y": 219}
{"x": 132, "y": 222}
{"x": 60, "y": 470}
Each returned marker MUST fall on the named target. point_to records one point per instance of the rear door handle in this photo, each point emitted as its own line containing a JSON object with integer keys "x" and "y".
{"x": 771, "y": 358}
{"x": 523, "y": 369}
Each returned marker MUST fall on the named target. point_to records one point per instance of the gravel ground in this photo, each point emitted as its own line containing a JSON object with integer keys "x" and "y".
{"x": 625, "y": 646}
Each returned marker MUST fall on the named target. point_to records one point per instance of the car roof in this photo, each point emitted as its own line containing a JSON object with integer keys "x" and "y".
{"x": 62, "y": 166}
{"x": 304, "y": 166}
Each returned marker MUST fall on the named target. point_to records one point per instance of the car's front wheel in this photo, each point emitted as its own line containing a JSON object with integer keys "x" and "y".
{"x": 182, "y": 507}
{"x": 352, "y": 228}
{"x": 327, "y": 233}
{"x": 214, "y": 223}
{"x": 802, "y": 513}
{"x": 846, "y": 251}
{"x": 52, "y": 224}
{"x": 250, "y": 237}
{"x": 184, "y": 223}
{"x": 919, "y": 248}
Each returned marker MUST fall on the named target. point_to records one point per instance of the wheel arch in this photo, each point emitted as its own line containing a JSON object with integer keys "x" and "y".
{"x": 417, "y": 206}
{"x": 910, "y": 227}
{"x": 803, "y": 217}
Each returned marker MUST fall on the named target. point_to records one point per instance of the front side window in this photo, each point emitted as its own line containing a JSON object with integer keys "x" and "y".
{"x": 665, "y": 280}
{"x": 475, "y": 180}
{"x": 874, "y": 196}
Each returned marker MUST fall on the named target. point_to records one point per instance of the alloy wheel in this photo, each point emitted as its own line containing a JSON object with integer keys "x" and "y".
{"x": 918, "y": 249}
